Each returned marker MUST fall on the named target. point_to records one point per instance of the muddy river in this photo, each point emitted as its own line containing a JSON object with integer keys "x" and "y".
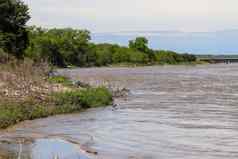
{"x": 171, "y": 112}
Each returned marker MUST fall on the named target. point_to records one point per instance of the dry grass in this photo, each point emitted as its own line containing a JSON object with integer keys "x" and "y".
{"x": 26, "y": 93}
{"x": 20, "y": 80}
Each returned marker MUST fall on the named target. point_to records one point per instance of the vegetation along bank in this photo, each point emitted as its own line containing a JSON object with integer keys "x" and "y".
{"x": 28, "y": 54}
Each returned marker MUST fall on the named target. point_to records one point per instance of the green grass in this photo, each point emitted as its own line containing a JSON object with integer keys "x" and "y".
{"x": 12, "y": 113}
{"x": 60, "y": 80}
{"x": 57, "y": 103}
{"x": 95, "y": 97}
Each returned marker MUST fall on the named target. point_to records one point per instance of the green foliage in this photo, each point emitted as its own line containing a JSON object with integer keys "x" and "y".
{"x": 127, "y": 55}
{"x": 61, "y": 47}
{"x": 138, "y": 57}
{"x": 83, "y": 99}
{"x": 104, "y": 54}
{"x": 95, "y": 97}
{"x": 13, "y": 35}
{"x": 121, "y": 55}
{"x": 170, "y": 57}
{"x": 140, "y": 44}
{"x": 89, "y": 58}
{"x": 67, "y": 102}
{"x": 166, "y": 57}
{"x": 12, "y": 113}
{"x": 69, "y": 47}
{"x": 58, "y": 103}
{"x": 60, "y": 80}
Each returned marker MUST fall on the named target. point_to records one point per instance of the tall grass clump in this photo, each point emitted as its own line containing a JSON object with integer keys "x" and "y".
{"x": 95, "y": 97}
{"x": 76, "y": 100}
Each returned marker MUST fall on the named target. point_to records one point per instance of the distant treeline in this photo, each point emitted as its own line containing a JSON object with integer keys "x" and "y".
{"x": 216, "y": 56}
{"x": 65, "y": 47}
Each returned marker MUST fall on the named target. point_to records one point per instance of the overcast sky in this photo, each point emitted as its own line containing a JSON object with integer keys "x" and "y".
{"x": 134, "y": 15}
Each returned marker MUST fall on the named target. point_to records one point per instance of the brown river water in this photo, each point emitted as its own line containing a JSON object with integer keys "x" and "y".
{"x": 171, "y": 112}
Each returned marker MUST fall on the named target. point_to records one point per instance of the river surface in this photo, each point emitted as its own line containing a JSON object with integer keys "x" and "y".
{"x": 171, "y": 112}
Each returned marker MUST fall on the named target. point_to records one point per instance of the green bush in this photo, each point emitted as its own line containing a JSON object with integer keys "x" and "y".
{"x": 82, "y": 99}
{"x": 95, "y": 97}
{"x": 67, "y": 102}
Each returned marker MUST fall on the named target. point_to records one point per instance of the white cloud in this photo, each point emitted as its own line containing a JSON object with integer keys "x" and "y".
{"x": 114, "y": 15}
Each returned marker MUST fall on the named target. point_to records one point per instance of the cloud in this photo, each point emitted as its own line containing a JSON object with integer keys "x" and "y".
{"x": 114, "y": 15}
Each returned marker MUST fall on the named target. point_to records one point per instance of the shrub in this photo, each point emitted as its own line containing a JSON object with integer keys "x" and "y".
{"x": 95, "y": 97}
{"x": 84, "y": 98}
{"x": 67, "y": 102}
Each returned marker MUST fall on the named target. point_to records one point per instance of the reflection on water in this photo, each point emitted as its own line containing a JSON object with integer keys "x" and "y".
{"x": 175, "y": 112}
{"x": 53, "y": 148}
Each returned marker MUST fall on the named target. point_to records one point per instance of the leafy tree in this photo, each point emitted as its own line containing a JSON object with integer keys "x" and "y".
{"x": 90, "y": 56}
{"x": 104, "y": 53}
{"x": 140, "y": 44}
{"x": 138, "y": 57}
{"x": 121, "y": 55}
{"x": 60, "y": 47}
{"x": 13, "y": 18}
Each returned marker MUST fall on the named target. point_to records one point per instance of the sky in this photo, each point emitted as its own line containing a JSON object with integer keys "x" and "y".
{"x": 194, "y": 26}
{"x": 134, "y": 15}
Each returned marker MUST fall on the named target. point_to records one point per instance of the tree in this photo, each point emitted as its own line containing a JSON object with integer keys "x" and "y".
{"x": 138, "y": 57}
{"x": 60, "y": 47}
{"x": 139, "y": 44}
{"x": 121, "y": 55}
{"x": 13, "y": 18}
{"x": 104, "y": 54}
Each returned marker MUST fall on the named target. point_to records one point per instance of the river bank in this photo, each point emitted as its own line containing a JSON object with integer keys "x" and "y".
{"x": 171, "y": 112}
{"x": 27, "y": 93}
